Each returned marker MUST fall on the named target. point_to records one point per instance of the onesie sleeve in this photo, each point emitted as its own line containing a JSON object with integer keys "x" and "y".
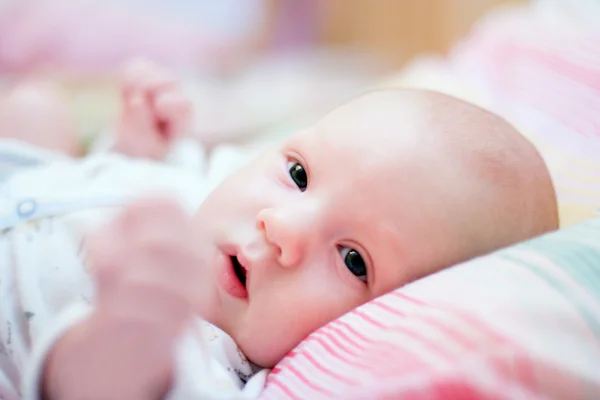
{"x": 34, "y": 368}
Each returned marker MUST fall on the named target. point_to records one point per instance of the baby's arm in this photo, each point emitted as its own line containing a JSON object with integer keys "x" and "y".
{"x": 145, "y": 267}
{"x": 138, "y": 343}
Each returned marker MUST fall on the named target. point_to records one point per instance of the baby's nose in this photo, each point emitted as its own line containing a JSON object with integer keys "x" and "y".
{"x": 287, "y": 233}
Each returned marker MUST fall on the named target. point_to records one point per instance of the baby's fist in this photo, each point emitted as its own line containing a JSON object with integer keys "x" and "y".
{"x": 146, "y": 268}
{"x": 149, "y": 251}
{"x": 155, "y": 111}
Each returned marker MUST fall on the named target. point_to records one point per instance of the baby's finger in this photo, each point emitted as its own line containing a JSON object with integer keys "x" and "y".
{"x": 158, "y": 214}
{"x": 172, "y": 265}
{"x": 139, "y": 124}
{"x": 138, "y": 112}
{"x": 105, "y": 252}
{"x": 174, "y": 107}
{"x": 144, "y": 77}
{"x": 131, "y": 76}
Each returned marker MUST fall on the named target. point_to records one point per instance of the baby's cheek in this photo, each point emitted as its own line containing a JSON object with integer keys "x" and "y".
{"x": 269, "y": 339}
{"x": 289, "y": 307}
{"x": 268, "y": 348}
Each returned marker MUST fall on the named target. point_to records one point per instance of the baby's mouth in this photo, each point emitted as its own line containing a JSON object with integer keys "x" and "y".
{"x": 240, "y": 271}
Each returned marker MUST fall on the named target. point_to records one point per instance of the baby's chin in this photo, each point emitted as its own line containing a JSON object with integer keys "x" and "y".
{"x": 267, "y": 359}
{"x": 265, "y": 351}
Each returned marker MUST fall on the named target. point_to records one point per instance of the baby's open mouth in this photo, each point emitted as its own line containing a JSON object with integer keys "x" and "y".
{"x": 240, "y": 271}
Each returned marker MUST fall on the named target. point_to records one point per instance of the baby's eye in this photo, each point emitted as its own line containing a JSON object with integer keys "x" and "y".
{"x": 354, "y": 262}
{"x": 298, "y": 175}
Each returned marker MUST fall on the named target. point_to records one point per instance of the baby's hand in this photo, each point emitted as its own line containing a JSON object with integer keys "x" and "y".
{"x": 155, "y": 112}
{"x": 146, "y": 266}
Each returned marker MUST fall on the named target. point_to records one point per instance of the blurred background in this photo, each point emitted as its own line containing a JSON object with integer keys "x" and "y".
{"x": 258, "y": 70}
{"x": 97, "y": 35}
{"x": 253, "y": 64}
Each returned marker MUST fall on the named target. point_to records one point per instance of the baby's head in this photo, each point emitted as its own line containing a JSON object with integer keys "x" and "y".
{"x": 386, "y": 189}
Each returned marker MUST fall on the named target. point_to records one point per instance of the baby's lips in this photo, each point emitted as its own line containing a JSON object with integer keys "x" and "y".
{"x": 244, "y": 261}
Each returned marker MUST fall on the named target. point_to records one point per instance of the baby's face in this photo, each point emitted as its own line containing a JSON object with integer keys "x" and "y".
{"x": 313, "y": 229}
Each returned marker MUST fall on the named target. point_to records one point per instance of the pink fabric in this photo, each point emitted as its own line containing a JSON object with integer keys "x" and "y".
{"x": 536, "y": 66}
{"x": 93, "y": 36}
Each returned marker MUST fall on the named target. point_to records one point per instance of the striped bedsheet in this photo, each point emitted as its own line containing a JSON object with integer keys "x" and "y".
{"x": 523, "y": 323}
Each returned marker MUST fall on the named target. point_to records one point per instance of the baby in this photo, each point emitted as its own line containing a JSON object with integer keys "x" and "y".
{"x": 386, "y": 189}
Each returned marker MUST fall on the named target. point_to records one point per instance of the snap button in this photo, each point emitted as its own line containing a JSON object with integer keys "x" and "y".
{"x": 26, "y": 208}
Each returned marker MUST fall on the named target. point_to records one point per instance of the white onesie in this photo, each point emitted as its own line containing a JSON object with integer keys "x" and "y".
{"x": 44, "y": 287}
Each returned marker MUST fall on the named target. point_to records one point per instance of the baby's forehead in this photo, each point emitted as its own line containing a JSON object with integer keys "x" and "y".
{"x": 373, "y": 143}
{"x": 379, "y": 123}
